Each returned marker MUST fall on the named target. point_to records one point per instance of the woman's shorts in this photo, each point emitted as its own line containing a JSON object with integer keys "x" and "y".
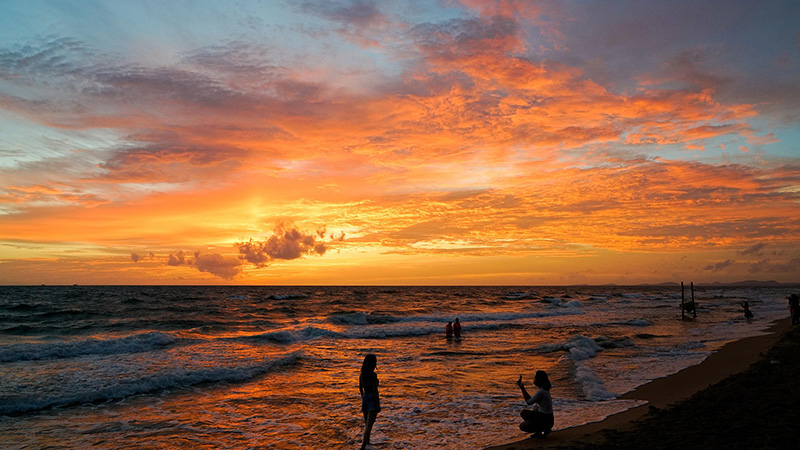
{"x": 369, "y": 403}
{"x": 536, "y": 421}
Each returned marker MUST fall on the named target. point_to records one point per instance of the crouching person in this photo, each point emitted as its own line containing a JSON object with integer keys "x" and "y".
{"x": 539, "y": 419}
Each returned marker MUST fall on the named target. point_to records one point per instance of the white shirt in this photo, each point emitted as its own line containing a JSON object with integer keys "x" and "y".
{"x": 543, "y": 399}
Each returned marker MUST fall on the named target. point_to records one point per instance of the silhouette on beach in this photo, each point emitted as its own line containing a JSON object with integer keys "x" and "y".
{"x": 747, "y": 313}
{"x": 370, "y": 399}
{"x": 794, "y": 308}
{"x": 457, "y": 328}
{"x": 539, "y": 420}
{"x": 448, "y": 330}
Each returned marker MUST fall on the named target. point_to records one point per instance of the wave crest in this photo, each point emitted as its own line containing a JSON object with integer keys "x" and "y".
{"x": 129, "y": 344}
{"x": 88, "y": 392}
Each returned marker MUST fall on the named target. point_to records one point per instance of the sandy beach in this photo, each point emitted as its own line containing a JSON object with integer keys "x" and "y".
{"x": 742, "y": 396}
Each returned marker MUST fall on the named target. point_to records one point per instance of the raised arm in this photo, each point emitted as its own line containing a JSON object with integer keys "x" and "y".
{"x": 525, "y": 394}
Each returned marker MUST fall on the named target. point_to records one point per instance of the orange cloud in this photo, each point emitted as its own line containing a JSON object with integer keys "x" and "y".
{"x": 471, "y": 143}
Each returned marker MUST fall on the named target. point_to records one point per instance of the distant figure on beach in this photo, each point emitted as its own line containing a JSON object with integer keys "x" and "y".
{"x": 370, "y": 399}
{"x": 538, "y": 420}
{"x": 448, "y": 330}
{"x": 747, "y": 313}
{"x": 794, "y": 308}
{"x": 457, "y": 328}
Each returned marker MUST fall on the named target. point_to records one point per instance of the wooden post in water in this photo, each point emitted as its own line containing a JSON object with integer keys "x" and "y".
{"x": 694, "y": 305}
{"x": 683, "y": 302}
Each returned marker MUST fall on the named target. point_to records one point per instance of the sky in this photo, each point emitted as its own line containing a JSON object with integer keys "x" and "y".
{"x": 360, "y": 142}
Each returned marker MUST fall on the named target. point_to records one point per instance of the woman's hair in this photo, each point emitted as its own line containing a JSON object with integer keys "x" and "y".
{"x": 370, "y": 361}
{"x": 541, "y": 380}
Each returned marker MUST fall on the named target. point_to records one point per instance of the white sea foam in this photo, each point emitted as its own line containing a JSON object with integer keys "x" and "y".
{"x": 372, "y": 326}
{"x": 591, "y": 385}
{"x": 287, "y": 296}
{"x": 474, "y": 319}
{"x": 504, "y": 317}
{"x": 92, "y": 390}
{"x": 129, "y": 344}
{"x": 290, "y": 335}
{"x": 570, "y": 304}
{"x": 638, "y": 323}
{"x": 362, "y": 318}
{"x": 582, "y": 347}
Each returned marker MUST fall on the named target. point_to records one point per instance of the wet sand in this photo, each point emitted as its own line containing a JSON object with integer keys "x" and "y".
{"x": 744, "y": 395}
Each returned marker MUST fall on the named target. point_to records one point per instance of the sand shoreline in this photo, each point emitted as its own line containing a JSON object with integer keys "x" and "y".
{"x": 732, "y": 358}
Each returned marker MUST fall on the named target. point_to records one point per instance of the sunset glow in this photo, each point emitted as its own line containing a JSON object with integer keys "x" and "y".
{"x": 423, "y": 142}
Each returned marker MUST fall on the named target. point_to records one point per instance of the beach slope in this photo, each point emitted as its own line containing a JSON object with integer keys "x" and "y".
{"x": 742, "y": 396}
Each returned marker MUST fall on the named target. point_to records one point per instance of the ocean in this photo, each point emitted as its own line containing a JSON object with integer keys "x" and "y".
{"x": 116, "y": 367}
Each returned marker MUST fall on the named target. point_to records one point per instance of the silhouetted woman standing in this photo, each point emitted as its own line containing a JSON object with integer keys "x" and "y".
{"x": 370, "y": 399}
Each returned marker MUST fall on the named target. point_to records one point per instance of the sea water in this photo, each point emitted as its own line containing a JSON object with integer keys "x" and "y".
{"x": 277, "y": 367}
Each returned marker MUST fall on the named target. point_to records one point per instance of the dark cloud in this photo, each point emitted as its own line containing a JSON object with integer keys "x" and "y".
{"x": 236, "y": 61}
{"x": 358, "y": 21}
{"x": 692, "y": 66}
{"x": 696, "y": 40}
{"x": 236, "y": 78}
{"x": 713, "y": 231}
{"x": 135, "y": 257}
{"x": 45, "y": 57}
{"x": 753, "y": 249}
{"x": 177, "y": 259}
{"x": 466, "y": 38}
{"x": 222, "y": 266}
{"x": 766, "y": 266}
{"x": 163, "y": 83}
{"x": 74, "y": 82}
{"x": 163, "y": 162}
{"x": 33, "y": 107}
{"x": 358, "y": 13}
{"x": 720, "y": 265}
{"x": 285, "y": 244}
{"x": 225, "y": 267}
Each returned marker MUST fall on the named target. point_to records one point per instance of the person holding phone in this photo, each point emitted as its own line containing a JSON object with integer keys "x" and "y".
{"x": 539, "y": 419}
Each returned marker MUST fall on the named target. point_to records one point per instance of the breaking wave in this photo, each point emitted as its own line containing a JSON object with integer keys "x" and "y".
{"x": 94, "y": 390}
{"x": 130, "y": 344}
